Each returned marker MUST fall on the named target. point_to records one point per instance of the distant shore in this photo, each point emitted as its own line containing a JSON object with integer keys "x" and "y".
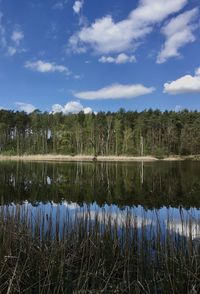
{"x": 89, "y": 158}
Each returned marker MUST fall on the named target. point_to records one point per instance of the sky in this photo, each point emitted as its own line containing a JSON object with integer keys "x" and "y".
{"x": 99, "y": 55}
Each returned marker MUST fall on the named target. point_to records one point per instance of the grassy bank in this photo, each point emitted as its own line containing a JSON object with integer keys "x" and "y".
{"x": 67, "y": 158}
{"x": 92, "y": 255}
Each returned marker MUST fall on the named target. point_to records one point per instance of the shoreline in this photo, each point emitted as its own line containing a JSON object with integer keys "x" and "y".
{"x": 89, "y": 158}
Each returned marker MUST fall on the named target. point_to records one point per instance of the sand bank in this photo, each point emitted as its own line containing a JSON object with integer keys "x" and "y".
{"x": 68, "y": 158}
{"x": 63, "y": 158}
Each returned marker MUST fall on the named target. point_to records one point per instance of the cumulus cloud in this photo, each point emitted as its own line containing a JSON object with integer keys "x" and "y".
{"x": 184, "y": 85}
{"x": 178, "y": 32}
{"x": 78, "y": 6}
{"x": 107, "y": 36}
{"x": 46, "y": 67}
{"x": 116, "y": 91}
{"x": 119, "y": 59}
{"x": 28, "y": 108}
{"x": 71, "y": 107}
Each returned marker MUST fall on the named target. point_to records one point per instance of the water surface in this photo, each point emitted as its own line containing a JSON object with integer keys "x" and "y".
{"x": 164, "y": 192}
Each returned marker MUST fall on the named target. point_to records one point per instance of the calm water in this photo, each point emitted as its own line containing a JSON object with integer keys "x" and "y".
{"x": 168, "y": 192}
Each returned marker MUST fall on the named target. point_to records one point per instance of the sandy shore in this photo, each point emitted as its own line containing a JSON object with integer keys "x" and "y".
{"x": 65, "y": 158}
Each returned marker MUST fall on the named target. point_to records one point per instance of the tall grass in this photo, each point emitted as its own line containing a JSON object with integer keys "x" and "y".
{"x": 94, "y": 253}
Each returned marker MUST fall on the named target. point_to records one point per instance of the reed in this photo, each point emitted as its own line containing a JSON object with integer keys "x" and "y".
{"x": 94, "y": 253}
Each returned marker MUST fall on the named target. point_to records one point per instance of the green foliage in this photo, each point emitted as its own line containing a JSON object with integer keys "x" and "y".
{"x": 9, "y": 153}
{"x": 109, "y": 133}
{"x": 161, "y": 153}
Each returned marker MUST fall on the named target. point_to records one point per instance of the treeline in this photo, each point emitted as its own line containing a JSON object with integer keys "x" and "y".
{"x": 130, "y": 133}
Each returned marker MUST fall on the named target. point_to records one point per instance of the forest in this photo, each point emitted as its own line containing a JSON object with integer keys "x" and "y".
{"x": 150, "y": 132}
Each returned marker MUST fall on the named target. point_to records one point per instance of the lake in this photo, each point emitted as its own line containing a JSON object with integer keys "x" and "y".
{"x": 97, "y": 227}
{"x": 167, "y": 193}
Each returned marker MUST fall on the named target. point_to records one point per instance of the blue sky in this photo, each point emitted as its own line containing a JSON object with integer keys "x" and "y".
{"x": 92, "y": 55}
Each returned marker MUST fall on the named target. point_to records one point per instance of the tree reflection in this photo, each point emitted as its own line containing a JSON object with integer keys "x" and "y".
{"x": 151, "y": 185}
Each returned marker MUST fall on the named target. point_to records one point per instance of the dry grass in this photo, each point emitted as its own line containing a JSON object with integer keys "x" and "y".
{"x": 90, "y": 254}
{"x": 52, "y": 157}
{"x": 68, "y": 158}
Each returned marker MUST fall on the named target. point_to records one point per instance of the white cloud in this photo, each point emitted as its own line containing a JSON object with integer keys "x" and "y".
{"x": 178, "y": 108}
{"x": 11, "y": 50}
{"x": 119, "y": 59}
{"x": 118, "y": 217}
{"x": 28, "y": 108}
{"x": 87, "y": 110}
{"x": 78, "y": 6}
{"x": 178, "y": 32}
{"x": 56, "y": 108}
{"x": 78, "y": 77}
{"x": 45, "y": 67}
{"x": 107, "y": 36}
{"x": 197, "y": 71}
{"x": 16, "y": 39}
{"x": 116, "y": 91}
{"x": 71, "y": 205}
{"x": 10, "y": 44}
{"x": 17, "y": 36}
{"x": 71, "y": 107}
{"x": 185, "y": 228}
{"x": 184, "y": 85}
